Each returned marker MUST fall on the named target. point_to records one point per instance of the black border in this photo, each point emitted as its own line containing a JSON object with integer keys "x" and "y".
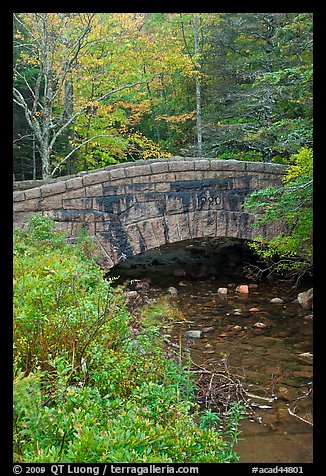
{"x": 6, "y": 216}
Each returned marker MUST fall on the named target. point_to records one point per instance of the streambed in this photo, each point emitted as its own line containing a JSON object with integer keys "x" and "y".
{"x": 274, "y": 362}
{"x": 268, "y": 345}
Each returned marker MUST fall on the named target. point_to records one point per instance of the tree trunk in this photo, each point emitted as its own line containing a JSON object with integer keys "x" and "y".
{"x": 34, "y": 158}
{"x": 198, "y": 90}
{"x": 45, "y": 156}
{"x": 157, "y": 129}
{"x": 163, "y": 95}
{"x": 45, "y": 149}
{"x": 268, "y": 153}
{"x": 68, "y": 112}
{"x": 22, "y": 168}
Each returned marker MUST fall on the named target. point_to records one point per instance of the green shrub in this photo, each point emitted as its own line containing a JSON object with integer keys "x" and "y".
{"x": 290, "y": 209}
{"x": 91, "y": 383}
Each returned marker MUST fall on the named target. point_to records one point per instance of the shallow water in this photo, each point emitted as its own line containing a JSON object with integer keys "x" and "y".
{"x": 273, "y": 359}
{"x": 274, "y": 362}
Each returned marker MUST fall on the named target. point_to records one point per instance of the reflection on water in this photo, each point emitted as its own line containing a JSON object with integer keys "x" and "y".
{"x": 270, "y": 345}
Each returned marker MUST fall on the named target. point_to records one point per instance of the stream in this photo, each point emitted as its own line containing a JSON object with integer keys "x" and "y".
{"x": 267, "y": 345}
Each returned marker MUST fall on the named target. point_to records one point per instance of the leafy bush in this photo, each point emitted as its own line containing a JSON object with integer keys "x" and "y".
{"x": 91, "y": 384}
{"x": 290, "y": 206}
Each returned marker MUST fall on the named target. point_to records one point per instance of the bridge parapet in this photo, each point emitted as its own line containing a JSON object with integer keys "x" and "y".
{"x": 141, "y": 205}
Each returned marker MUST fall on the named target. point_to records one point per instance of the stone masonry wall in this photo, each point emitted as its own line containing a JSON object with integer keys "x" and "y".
{"x": 141, "y": 205}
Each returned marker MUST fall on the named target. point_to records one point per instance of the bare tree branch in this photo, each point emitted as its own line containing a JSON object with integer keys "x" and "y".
{"x": 25, "y": 28}
{"x": 22, "y": 137}
{"x": 78, "y": 147}
{"x": 46, "y": 123}
{"x": 78, "y": 45}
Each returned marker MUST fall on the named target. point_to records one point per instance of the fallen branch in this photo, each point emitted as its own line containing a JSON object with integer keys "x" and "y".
{"x": 300, "y": 418}
{"x": 292, "y": 413}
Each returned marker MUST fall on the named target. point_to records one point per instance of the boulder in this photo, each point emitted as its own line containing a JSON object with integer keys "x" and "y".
{"x": 243, "y": 288}
{"x": 305, "y": 299}
{"x": 276, "y": 301}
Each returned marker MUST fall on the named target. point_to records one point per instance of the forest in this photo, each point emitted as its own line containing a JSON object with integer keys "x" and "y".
{"x": 93, "y": 89}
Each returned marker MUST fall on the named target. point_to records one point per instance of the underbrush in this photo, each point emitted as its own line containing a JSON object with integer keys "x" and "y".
{"x": 91, "y": 382}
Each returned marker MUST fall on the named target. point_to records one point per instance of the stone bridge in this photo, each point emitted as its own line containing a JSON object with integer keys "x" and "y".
{"x": 133, "y": 207}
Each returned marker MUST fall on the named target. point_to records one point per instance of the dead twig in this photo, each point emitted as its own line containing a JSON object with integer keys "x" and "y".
{"x": 300, "y": 418}
{"x": 294, "y": 406}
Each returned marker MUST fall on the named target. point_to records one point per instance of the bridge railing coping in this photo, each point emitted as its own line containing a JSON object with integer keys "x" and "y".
{"x": 199, "y": 163}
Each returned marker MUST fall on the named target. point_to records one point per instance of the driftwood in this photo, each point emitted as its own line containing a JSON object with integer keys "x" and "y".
{"x": 294, "y": 408}
{"x": 217, "y": 388}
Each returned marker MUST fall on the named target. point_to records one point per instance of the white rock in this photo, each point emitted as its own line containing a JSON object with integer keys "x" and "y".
{"x": 276, "y": 301}
{"x": 208, "y": 329}
{"x": 193, "y": 334}
{"x": 260, "y": 325}
{"x": 172, "y": 290}
{"x": 222, "y": 290}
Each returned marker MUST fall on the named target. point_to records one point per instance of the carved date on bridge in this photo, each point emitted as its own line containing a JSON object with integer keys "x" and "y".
{"x": 209, "y": 199}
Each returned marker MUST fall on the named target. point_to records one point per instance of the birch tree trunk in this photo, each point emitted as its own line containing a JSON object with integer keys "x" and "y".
{"x": 199, "y": 129}
{"x": 46, "y": 124}
{"x": 48, "y": 101}
{"x": 34, "y": 157}
{"x": 68, "y": 112}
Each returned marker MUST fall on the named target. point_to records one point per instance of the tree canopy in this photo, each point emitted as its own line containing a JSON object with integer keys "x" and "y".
{"x": 92, "y": 89}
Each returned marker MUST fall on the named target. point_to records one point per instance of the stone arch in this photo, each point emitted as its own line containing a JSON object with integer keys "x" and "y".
{"x": 133, "y": 207}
